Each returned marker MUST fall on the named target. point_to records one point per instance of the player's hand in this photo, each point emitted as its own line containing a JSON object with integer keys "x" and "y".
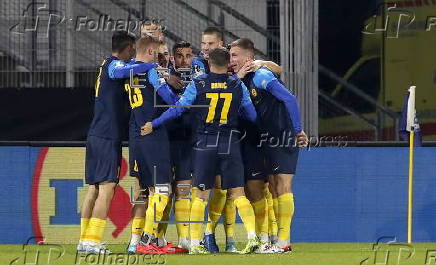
{"x": 302, "y": 140}
{"x": 272, "y": 66}
{"x": 175, "y": 82}
{"x": 146, "y": 129}
{"x": 248, "y": 67}
{"x": 257, "y": 64}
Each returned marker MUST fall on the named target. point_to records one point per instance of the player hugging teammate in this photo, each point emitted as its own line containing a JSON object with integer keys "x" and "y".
{"x": 216, "y": 138}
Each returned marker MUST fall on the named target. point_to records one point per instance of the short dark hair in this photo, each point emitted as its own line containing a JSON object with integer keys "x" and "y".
{"x": 219, "y": 57}
{"x": 245, "y": 44}
{"x": 180, "y": 45}
{"x": 144, "y": 42}
{"x": 214, "y": 30}
{"x": 121, "y": 39}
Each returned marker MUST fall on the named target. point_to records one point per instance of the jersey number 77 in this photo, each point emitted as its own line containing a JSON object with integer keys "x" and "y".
{"x": 214, "y": 97}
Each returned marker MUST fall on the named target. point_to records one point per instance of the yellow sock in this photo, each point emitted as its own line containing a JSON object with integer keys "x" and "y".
{"x": 158, "y": 201}
{"x": 285, "y": 213}
{"x": 162, "y": 227}
{"x": 182, "y": 209}
{"x": 148, "y": 226}
{"x": 276, "y": 206}
{"x": 246, "y": 213}
{"x": 260, "y": 212}
{"x": 272, "y": 222}
{"x": 138, "y": 225}
{"x": 83, "y": 225}
{"x": 229, "y": 218}
{"x": 94, "y": 231}
{"x": 194, "y": 192}
{"x": 197, "y": 214}
{"x": 216, "y": 203}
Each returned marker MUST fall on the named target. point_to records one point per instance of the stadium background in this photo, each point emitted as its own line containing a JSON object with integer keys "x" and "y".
{"x": 342, "y": 194}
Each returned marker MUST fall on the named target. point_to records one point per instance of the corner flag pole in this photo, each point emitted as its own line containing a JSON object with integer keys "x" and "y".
{"x": 411, "y": 112}
{"x": 409, "y": 211}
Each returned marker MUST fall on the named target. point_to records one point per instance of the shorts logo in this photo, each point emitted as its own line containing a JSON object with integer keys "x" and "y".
{"x": 135, "y": 167}
{"x": 58, "y": 190}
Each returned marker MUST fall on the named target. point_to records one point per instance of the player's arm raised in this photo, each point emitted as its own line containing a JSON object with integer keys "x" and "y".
{"x": 275, "y": 68}
{"x": 162, "y": 88}
{"x": 121, "y": 69}
{"x": 187, "y": 98}
{"x": 266, "y": 80}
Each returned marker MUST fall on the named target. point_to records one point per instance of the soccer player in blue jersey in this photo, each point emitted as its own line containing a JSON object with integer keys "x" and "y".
{"x": 211, "y": 38}
{"x": 103, "y": 144}
{"x": 220, "y": 99}
{"x": 278, "y": 118}
{"x": 146, "y": 92}
{"x": 183, "y": 57}
{"x": 180, "y": 135}
{"x": 179, "y": 132}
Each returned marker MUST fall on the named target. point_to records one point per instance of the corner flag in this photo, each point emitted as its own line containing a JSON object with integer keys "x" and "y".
{"x": 409, "y": 127}
{"x": 408, "y": 121}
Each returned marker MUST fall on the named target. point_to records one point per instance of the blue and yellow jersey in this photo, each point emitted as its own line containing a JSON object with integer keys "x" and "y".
{"x": 109, "y": 102}
{"x": 181, "y": 128}
{"x": 185, "y": 76}
{"x": 276, "y": 107}
{"x": 148, "y": 95}
{"x": 108, "y": 118}
{"x": 218, "y": 101}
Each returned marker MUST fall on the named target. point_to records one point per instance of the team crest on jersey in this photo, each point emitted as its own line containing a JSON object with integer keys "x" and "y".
{"x": 253, "y": 92}
{"x": 58, "y": 189}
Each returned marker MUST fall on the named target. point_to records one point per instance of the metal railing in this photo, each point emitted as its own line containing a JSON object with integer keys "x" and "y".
{"x": 358, "y": 92}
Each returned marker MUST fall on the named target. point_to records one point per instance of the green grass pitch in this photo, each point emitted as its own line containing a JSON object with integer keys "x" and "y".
{"x": 302, "y": 254}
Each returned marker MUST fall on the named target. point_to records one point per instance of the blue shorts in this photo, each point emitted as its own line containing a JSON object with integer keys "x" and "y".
{"x": 152, "y": 152}
{"x": 103, "y": 160}
{"x": 181, "y": 159}
{"x": 281, "y": 160}
{"x": 133, "y": 163}
{"x": 216, "y": 153}
{"x": 254, "y": 162}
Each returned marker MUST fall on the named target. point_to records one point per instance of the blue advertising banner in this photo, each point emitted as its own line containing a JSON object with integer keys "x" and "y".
{"x": 341, "y": 195}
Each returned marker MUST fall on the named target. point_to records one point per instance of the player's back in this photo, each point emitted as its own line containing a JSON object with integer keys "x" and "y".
{"x": 146, "y": 104}
{"x": 109, "y": 104}
{"x": 273, "y": 116}
{"x": 223, "y": 94}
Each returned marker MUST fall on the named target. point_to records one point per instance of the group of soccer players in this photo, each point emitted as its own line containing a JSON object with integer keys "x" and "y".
{"x": 221, "y": 123}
